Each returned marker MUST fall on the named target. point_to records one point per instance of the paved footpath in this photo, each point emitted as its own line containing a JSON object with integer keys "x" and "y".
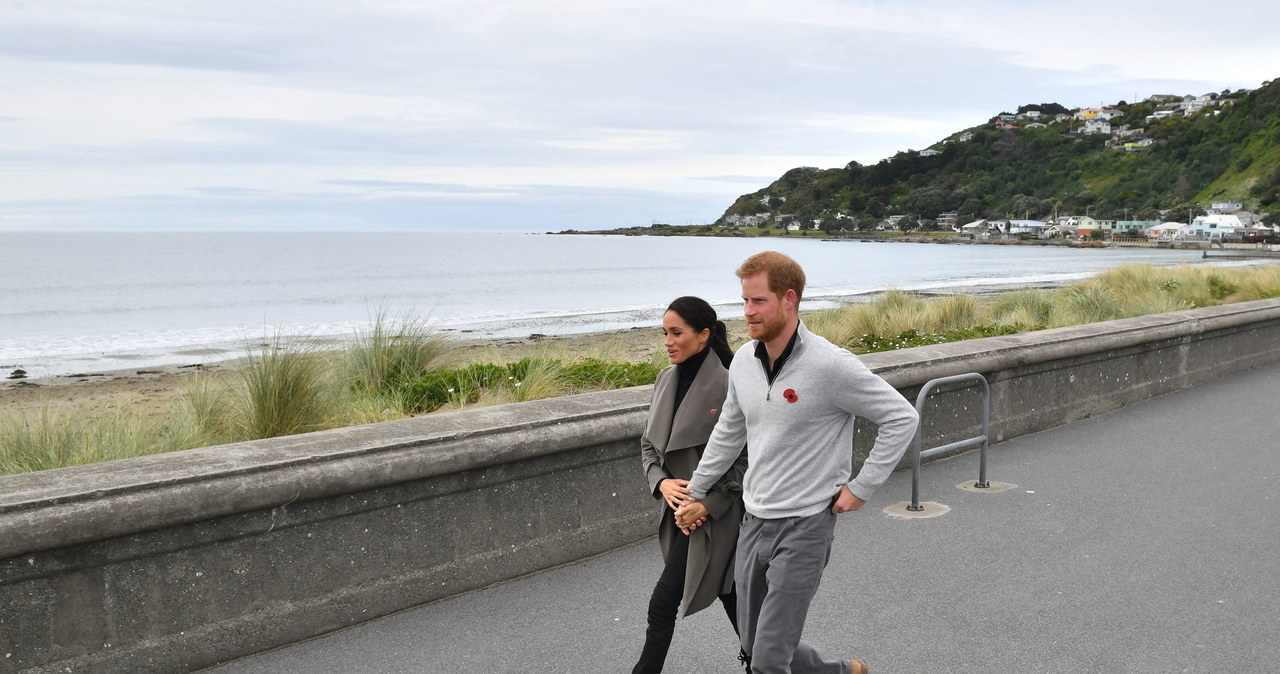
{"x": 1144, "y": 540}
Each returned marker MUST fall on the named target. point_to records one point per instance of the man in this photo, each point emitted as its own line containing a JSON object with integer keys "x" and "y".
{"x": 793, "y": 397}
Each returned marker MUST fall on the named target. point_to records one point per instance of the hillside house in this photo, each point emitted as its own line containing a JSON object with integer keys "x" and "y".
{"x": 1098, "y": 113}
{"x": 1097, "y": 125}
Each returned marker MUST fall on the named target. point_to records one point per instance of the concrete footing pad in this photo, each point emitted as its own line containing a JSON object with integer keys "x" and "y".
{"x": 931, "y": 509}
{"x": 993, "y": 487}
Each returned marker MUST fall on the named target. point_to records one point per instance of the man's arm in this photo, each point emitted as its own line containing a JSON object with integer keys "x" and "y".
{"x": 723, "y": 447}
{"x": 869, "y": 396}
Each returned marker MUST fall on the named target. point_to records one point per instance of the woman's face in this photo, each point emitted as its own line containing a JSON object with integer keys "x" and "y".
{"x": 680, "y": 339}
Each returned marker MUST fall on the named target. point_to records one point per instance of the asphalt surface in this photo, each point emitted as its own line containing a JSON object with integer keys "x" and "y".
{"x": 1144, "y": 540}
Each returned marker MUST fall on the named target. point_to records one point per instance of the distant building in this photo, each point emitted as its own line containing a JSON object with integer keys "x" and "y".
{"x": 1215, "y": 227}
{"x": 985, "y": 227}
{"x": 1097, "y": 125}
{"x": 1032, "y": 227}
{"x": 1098, "y": 113}
{"x": 1166, "y": 231}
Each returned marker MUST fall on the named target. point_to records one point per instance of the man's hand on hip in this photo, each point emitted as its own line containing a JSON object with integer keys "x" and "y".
{"x": 846, "y": 501}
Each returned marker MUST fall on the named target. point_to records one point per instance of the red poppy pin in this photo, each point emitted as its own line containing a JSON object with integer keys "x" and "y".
{"x": 713, "y": 411}
{"x": 790, "y": 395}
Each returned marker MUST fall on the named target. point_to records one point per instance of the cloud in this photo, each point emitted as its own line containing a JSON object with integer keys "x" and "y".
{"x": 616, "y": 112}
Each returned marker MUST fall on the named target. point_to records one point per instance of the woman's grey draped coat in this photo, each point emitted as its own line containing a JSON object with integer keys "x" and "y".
{"x": 670, "y": 448}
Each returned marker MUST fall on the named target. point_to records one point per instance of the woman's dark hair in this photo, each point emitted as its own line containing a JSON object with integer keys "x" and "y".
{"x": 700, "y": 316}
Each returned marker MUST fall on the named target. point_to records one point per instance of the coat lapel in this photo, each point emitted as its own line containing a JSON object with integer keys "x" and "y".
{"x": 700, "y": 408}
{"x": 664, "y": 402}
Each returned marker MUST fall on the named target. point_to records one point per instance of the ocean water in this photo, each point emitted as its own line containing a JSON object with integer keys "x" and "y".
{"x": 92, "y": 302}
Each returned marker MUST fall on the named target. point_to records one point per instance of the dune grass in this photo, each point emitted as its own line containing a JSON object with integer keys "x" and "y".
{"x": 46, "y": 439}
{"x": 400, "y": 366}
{"x": 899, "y": 319}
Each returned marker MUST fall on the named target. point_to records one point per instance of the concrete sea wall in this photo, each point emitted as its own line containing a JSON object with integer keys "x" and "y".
{"x": 180, "y": 561}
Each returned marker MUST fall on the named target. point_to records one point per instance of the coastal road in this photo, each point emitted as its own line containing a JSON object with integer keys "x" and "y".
{"x": 1143, "y": 540}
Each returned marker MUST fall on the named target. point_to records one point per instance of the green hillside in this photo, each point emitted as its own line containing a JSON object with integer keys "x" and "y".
{"x": 1031, "y": 164}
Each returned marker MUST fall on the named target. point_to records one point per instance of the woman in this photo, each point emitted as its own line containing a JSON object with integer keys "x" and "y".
{"x": 687, "y": 398}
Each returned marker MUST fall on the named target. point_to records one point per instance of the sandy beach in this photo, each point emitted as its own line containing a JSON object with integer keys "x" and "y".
{"x": 157, "y": 390}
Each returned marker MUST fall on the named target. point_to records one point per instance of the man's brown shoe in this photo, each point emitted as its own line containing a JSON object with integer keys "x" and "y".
{"x": 860, "y": 667}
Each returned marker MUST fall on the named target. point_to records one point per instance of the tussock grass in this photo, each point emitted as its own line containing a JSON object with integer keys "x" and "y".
{"x": 48, "y": 440}
{"x": 1024, "y": 310}
{"x": 900, "y": 320}
{"x": 1262, "y": 284}
{"x": 393, "y": 352}
{"x": 287, "y": 387}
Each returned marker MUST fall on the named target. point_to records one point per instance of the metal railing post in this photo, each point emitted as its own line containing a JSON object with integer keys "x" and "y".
{"x": 917, "y": 454}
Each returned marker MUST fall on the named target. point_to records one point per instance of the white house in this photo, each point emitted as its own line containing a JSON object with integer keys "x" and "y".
{"x": 1032, "y": 227}
{"x": 1061, "y": 230}
{"x": 1097, "y": 125}
{"x": 985, "y": 227}
{"x": 1215, "y": 227}
{"x": 1167, "y": 231}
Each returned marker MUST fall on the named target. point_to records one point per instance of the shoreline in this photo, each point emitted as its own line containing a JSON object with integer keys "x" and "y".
{"x": 155, "y": 390}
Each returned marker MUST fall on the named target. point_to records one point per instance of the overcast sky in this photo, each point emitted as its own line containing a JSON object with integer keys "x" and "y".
{"x": 539, "y": 114}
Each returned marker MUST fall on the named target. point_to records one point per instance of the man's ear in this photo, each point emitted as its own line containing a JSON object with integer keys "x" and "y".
{"x": 790, "y": 298}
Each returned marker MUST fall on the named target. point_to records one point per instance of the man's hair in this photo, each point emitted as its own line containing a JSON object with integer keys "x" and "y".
{"x": 783, "y": 272}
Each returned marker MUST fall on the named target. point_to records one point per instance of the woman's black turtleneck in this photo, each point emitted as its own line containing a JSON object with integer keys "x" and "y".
{"x": 686, "y": 371}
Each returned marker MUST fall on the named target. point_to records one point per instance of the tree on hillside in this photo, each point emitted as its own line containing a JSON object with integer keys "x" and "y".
{"x": 1008, "y": 145}
{"x": 929, "y": 201}
{"x": 1182, "y": 189}
{"x": 1184, "y": 213}
{"x": 1044, "y": 108}
{"x": 875, "y": 207}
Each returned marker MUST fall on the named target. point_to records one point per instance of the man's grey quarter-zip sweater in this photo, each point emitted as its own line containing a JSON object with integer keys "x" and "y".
{"x": 799, "y": 429}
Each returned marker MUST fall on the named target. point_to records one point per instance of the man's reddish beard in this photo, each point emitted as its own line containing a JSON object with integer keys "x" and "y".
{"x": 772, "y": 328}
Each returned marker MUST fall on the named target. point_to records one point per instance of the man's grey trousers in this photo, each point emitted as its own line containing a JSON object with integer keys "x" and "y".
{"x": 778, "y": 567}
